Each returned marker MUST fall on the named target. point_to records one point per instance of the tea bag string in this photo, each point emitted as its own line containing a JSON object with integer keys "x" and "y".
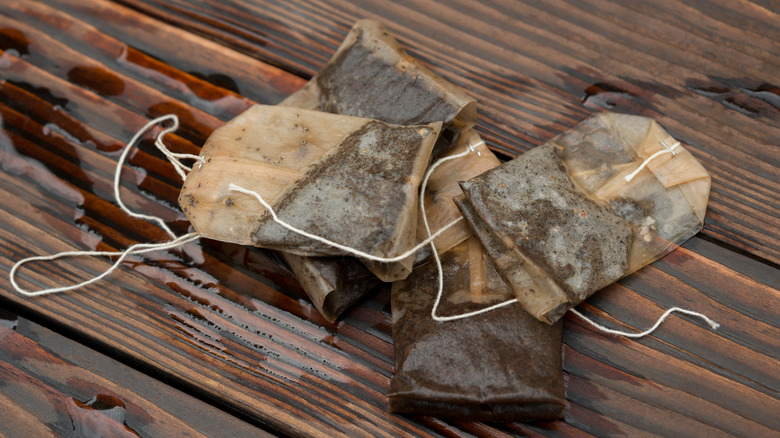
{"x": 608, "y": 330}
{"x": 138, "y": 248}
{"x": 668, "y": 150}
{"x": 345, "y": 248}
{"x": 471, "y": 148}
{"x": 171, "y": 156}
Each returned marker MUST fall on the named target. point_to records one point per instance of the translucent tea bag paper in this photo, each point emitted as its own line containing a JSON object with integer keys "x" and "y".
{"x": 347, "y": 179}
{"x": 443, "y": 186}
{"x": 588, "y": 207}
{"x": 500, "y": 366}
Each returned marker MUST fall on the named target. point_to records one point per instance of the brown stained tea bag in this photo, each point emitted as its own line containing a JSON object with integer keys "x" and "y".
{"x": 362, "y": 194}
{"x": 335, "y": 283}
{"x": 577, "y": 213}
{"x": 332, "y": 283}
{"x": 347, "y": 179}
{"x": 371, "y": 75}
{"x": 499, "y": 366}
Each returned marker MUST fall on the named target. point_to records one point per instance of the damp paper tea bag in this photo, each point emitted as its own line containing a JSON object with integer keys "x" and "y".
{"x": 372, "y": 76}
{"x": 503, "y": 365}
{"x": 588, "y": 207}
{"x": 347, "y": 179}
{"x": 335, "y": 283}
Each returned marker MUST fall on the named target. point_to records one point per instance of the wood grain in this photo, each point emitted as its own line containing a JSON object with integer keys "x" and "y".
{"x": 56, "y": 387}
{"x": 232, "y": 325}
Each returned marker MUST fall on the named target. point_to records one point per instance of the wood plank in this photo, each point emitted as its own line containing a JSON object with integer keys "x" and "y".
{"x": 256, "y": 80}
{"x": 230, "y": 323}
{"x": 116, "y": 56}
{"x": 539, "y": 69}
{"x": 54, "y": 386}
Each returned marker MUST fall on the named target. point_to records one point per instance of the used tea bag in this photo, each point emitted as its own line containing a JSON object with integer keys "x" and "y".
{"x": 371, "y": 75}
{"x": 335, "y": 283}
{"x": 499, "y": 366}
{"x": 585, "y": 209}
{"x": 332, "y": 283}
{"x": 346, "y": 179}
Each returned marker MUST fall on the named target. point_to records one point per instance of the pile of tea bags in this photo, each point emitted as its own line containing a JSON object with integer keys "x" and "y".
{"x": 343, "y": 159}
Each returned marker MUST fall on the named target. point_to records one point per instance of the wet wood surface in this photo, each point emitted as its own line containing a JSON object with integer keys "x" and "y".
{"x": 54, "y": 386}
{"x": 227, "y": 329}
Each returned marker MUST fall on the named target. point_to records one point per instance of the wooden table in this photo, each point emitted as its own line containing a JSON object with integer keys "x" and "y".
{"x": 218, "y": 339}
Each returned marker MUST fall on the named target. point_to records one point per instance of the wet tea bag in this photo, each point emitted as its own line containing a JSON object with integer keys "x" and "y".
{"x": 371, "y": 75}
{"x": 335, "y": 283}
{"x": 347, "y": 179}
{"x": 499, "y": 366}
{"x": 332, "y": 283}
{"x": 588, "y": 207}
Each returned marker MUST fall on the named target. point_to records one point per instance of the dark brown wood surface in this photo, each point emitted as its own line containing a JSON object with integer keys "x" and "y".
{"x": 53, "y": 386}
{"x": 230, "y": 326}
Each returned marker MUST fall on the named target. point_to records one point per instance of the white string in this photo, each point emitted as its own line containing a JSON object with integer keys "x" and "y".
{"x": 603, "y": 329}
{"x": 668, "y": 150}
{"x": 171, "y": 156}
{"x": 437, "y": 260}
{"x": 138, "y": 248}
{"x": 344, "y": 248}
